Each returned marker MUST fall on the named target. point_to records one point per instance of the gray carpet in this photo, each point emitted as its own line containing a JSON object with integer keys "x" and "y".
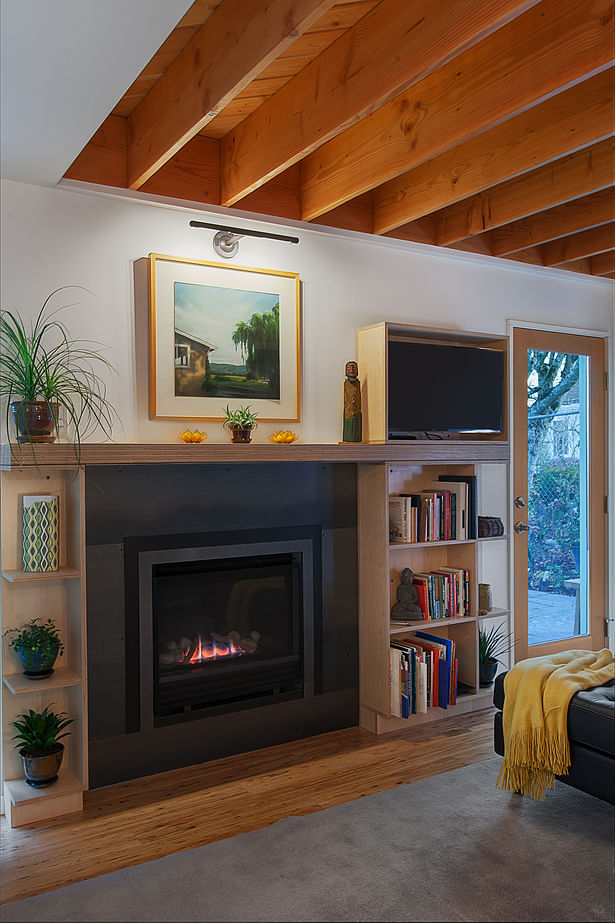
{"x": 448, "y": 848}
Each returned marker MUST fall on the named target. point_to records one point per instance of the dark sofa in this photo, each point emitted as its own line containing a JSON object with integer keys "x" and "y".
{"x": 591, "y": 732}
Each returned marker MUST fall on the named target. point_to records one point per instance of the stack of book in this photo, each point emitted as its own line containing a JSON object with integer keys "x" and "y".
{"x": 446, "y": 511}
{"x": 423, "y": 674}
{"x": 442, "y": 593}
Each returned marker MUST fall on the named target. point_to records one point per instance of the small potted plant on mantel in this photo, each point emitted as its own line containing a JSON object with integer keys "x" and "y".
{"x": 37, "y": 645}
{"x": 38, "y": 735}
{"x": 492, "y": 645}
{"x": 240, "y": 422}
{"x": 45, "y": 372}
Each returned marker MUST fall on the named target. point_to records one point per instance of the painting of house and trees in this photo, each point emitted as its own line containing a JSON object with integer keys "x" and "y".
{"x": 227, "y": 342}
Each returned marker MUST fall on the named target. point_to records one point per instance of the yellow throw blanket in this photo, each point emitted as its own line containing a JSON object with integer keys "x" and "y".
{"x": 537, "y": 694}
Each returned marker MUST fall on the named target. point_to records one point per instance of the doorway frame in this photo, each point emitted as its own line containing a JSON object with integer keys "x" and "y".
{"x": 608, "y": 482}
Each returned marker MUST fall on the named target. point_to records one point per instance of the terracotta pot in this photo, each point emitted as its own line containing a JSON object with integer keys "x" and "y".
{"x": 35, "y": 420}
{"x": 41, "y": 770}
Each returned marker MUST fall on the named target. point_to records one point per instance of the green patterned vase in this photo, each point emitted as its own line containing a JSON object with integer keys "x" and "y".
{"x": 41, "y": 533}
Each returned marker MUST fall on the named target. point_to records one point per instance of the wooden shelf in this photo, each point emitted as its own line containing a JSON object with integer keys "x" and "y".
{"x": 20, "y": 792}
{"x": 24, "y": 804}
{"x": 19, "y": 684}
{"x": 397, "y": 629}
{"x": 457, "y": 451}
{"x": 494, "y": 614}
{"x": 22, "y": 576}
{"x": 452, "y": 541}
{"x": 59, "y": 595}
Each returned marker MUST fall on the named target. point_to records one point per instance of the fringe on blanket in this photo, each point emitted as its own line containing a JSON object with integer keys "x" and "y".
{"x": 532, "y": 763}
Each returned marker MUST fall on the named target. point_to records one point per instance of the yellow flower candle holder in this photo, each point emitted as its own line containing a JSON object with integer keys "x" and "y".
{"x": 193, "y": 436}
{"x": 284, "y": 436}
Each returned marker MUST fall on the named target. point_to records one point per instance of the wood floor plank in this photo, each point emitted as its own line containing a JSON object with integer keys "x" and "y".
{"x": 145, "y": 819}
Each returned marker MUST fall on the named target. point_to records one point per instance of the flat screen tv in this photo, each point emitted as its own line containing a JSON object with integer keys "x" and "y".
{"x": 443, "y": 388}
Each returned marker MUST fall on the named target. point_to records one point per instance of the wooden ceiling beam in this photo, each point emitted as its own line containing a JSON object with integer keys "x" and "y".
{"x": 571, "y": 177}
{"x": 239, "y": 40}
{"x": 580, "y": 116}
{"x": 550, "y": 47}
{"x": 580, "y": 215}
{"x": 579, "y": 246}
{"x": 387, "y": 51}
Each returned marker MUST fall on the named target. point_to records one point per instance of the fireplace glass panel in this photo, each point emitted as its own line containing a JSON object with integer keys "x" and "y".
{"x": 226, "y": 631}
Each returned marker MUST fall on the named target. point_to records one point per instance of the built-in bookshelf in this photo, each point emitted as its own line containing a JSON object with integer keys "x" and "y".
{"x": 58, "y": 595}
{"x": 383, "y": 560}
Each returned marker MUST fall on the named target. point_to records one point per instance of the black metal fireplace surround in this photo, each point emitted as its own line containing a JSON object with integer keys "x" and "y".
{"x": 222, "y": 610}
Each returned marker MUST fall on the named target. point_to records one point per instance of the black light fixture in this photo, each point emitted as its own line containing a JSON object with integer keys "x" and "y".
{"x": 226, "y": 241}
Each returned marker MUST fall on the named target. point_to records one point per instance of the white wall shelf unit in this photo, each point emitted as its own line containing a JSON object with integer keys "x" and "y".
{"x": 59, "y": 595}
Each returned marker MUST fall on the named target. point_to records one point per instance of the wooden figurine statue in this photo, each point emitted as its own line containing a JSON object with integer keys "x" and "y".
{"x": 406, "y": 607}
{"x": 353, "y": 427}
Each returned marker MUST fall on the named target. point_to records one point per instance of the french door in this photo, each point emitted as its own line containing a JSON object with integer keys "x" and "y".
{"x": 559, "y": 488}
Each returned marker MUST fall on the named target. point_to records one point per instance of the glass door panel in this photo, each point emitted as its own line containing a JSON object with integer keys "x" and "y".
{"x": 557, "y": 439}
{"x": 559, "y": 523}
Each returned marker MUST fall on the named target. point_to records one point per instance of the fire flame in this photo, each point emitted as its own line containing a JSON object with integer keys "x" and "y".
{"x": 213, "y": 650}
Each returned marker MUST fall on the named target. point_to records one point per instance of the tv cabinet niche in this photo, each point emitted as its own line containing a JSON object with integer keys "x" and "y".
{"x": 372, "y": 357}
{"x": 380, "y": 564}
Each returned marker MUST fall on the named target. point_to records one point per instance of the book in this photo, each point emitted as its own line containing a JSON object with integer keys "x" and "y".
{"x": 399, "y": 522}
{"x": 395, "y": 660}
{"x": 472, "y": 507}
{"x": 455, "y": 504}
{"x": 405, "y": 685}
{"x": 458, "y": 608}
{"x": 414, "y": 504}
{"x": 446, "y": 664}
{"x": 420, "y": 582}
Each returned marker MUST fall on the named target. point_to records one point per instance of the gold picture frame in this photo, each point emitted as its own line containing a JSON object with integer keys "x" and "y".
{"x": 222, "y": 335}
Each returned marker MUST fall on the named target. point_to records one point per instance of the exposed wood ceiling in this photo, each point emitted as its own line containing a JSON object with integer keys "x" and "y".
{"x": 481, "y": 125}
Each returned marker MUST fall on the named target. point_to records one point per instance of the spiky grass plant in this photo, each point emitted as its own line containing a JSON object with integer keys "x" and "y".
{"x": 494, "y": 643}
{"x": 38, "y": 733}
{"x": 243, "y": 416}
{"x": 42, "y": 362}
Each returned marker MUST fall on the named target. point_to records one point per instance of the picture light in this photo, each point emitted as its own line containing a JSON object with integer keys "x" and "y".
{"x": 226, "y": 241}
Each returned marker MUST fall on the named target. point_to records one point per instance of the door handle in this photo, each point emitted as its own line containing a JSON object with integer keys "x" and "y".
{"x": 521, "y": 527}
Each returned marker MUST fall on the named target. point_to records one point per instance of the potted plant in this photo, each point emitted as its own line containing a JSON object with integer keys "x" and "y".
{"x": 492, "y": 645}
{"x": 44, "y": 372}
{"x": 37, "y": 644}
{"x": 38, "y": 735}
{"x": 240, "y": 422}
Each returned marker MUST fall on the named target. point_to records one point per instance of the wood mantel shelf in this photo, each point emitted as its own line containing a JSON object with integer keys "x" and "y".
{"x": 458, "y": 451}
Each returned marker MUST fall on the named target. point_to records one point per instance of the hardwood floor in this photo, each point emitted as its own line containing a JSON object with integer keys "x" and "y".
{"x": 126, "y": 824}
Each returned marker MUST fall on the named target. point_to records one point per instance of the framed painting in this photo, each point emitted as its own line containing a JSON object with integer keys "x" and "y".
{"x": 221, "y": 335}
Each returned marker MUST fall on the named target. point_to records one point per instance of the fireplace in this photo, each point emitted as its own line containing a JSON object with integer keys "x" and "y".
{"x": 223, "y": 627}
{"x": 222, "y": 611}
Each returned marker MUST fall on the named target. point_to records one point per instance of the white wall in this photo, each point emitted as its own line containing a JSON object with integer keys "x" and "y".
{"x": 65, "y": 236}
